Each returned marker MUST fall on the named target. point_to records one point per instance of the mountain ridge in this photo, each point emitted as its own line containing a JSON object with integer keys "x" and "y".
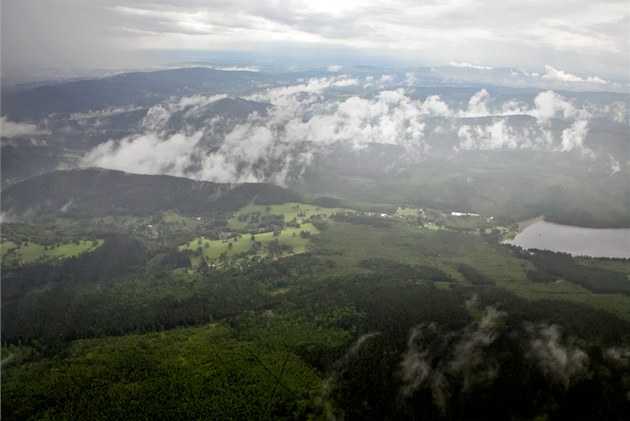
{"x": 97, "y": 191}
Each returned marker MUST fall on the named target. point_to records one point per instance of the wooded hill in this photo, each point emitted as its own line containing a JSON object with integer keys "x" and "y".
{"x": 95, "y": 192}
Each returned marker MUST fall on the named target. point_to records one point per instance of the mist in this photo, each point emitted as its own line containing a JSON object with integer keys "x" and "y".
{"x": 270, "y": 147}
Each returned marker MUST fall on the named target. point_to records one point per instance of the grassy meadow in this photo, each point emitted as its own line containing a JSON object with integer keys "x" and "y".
{"x": 31, "y": 252}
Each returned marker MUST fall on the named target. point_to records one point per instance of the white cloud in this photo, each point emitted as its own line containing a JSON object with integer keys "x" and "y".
{"x": 386, "y": 79}
{"x": 560, "y": 358}
{"x": 253, "y": 69}
{"x": 615, "y": 166}
{"x": 434, "y": 105}
{"x": 265, "y": 147}
{"x": 109, "y": 112}
{"x": 434, "y": 358}
{"x": 11, "y": 129}
{"x": 470, "y": 65}
{"x": 477, "y": 106}
{"x": 410, "y": 78}
{"x": 486, "y": 138}
{"x": 595, "y": 79}
{"x": 556, "y": 75}
{"x": 550, "y": 104}
{"x": 335, "y": 68}
{"x": 573, "y": 137}
{"x": 158, "y": 116}
{"x": 146, "y": 154}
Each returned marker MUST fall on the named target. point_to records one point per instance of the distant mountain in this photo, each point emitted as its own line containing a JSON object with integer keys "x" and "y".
{"x": 140, "y": 89}
{"x": 96, "y": 192}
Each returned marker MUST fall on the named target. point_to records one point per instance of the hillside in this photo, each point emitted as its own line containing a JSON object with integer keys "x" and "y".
{"x": 139, "y": 88}
{"x": 97, "y": 192}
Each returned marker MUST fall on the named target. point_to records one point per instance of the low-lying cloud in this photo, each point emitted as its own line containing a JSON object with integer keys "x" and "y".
{"x": 560, "y": 358}
{"x": 556, "y": 75}
{"x": 313, "y": 114}
{"x": 13, "y": 129}
{"x": 433, "y": 356}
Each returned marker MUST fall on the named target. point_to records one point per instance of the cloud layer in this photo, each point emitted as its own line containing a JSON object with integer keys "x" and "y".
{"x": 185, "y": 137}
{"x": 12, "y": 129}
{"x": 585, "y": 37}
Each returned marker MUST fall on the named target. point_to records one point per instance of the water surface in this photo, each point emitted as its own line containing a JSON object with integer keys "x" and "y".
{"x": 578, "y": 241}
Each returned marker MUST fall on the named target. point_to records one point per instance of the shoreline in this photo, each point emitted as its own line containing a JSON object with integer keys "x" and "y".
{"x": 524, "y": 224}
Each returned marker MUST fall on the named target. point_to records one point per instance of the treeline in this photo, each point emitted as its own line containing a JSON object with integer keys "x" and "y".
{"x": 99, "y": 192}
{"x": 551, "y": 266}
{"x": 114, "y": 257}
{"x": 122, "y": 290}
{"x": 401, "y": 271}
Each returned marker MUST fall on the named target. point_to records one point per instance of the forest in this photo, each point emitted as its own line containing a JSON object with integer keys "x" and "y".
{"x": 280, "y": 309}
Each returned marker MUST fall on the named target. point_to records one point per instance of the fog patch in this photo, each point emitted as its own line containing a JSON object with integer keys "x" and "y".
{"x": 619, "y": 355}
{"x": 434, "y": 356}
{"x": 66, "y": 206}
{"x": 8, "y": 218}
{"x": 326, "y": 397}
{"x": 13, "y": 129}
{"x": 573, "y": 137}
{"x": 558, "y": 357}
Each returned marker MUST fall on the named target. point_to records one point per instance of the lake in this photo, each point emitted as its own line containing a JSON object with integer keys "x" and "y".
{"x": 578, "y": 241}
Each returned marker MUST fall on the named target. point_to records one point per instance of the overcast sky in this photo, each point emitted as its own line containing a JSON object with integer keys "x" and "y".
{"x": 586, "y": 38}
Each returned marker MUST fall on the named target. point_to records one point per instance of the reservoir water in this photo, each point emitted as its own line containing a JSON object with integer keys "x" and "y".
{"x": 578, "y": 241}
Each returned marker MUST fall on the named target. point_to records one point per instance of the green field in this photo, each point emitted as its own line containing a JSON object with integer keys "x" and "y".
{"x": 32, "y": 251}
{"x": 298, "y": 211}
{"x": 213, "y": 249}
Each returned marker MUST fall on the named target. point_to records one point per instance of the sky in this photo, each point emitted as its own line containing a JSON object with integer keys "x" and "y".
{"x": 583, "y": 38}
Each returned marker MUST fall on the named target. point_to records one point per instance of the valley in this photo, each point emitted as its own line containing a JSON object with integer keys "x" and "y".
{"x": 198, "y": 299}
{"x": 206, "y": 244}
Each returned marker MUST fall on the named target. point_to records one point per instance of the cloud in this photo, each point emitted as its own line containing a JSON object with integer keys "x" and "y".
{"x": 183, "y": 137}
{"x": 469, "y": 65}
{"x": 159, "y": 115}
{"x": 8, "y": 218}
{"x": 334, "y": 68}
{"x": 12, "y": 129}
{"x": 146, "y": 154}
{"x": 555, "y": 75}
{"x": 389, "y": 118}
{"x": 559, "y": 358}
{"x": 109, "y": 112}
{"x": 434, "y": 105}
{"x": 550, "y": 105}
{"x": 588, "y": 37}
{"x": 499, "y": 135}
{"x": 619, "y": 355}
{"x": 433, "y": 357}
{"x": 410, "y": 78}
{"x": 615, "y": 166}
{"x": 573, "y": 137}
{"x": 253, "y": 69}
{"x": 326, "y": 397}
{"x": 477, "y": 106}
